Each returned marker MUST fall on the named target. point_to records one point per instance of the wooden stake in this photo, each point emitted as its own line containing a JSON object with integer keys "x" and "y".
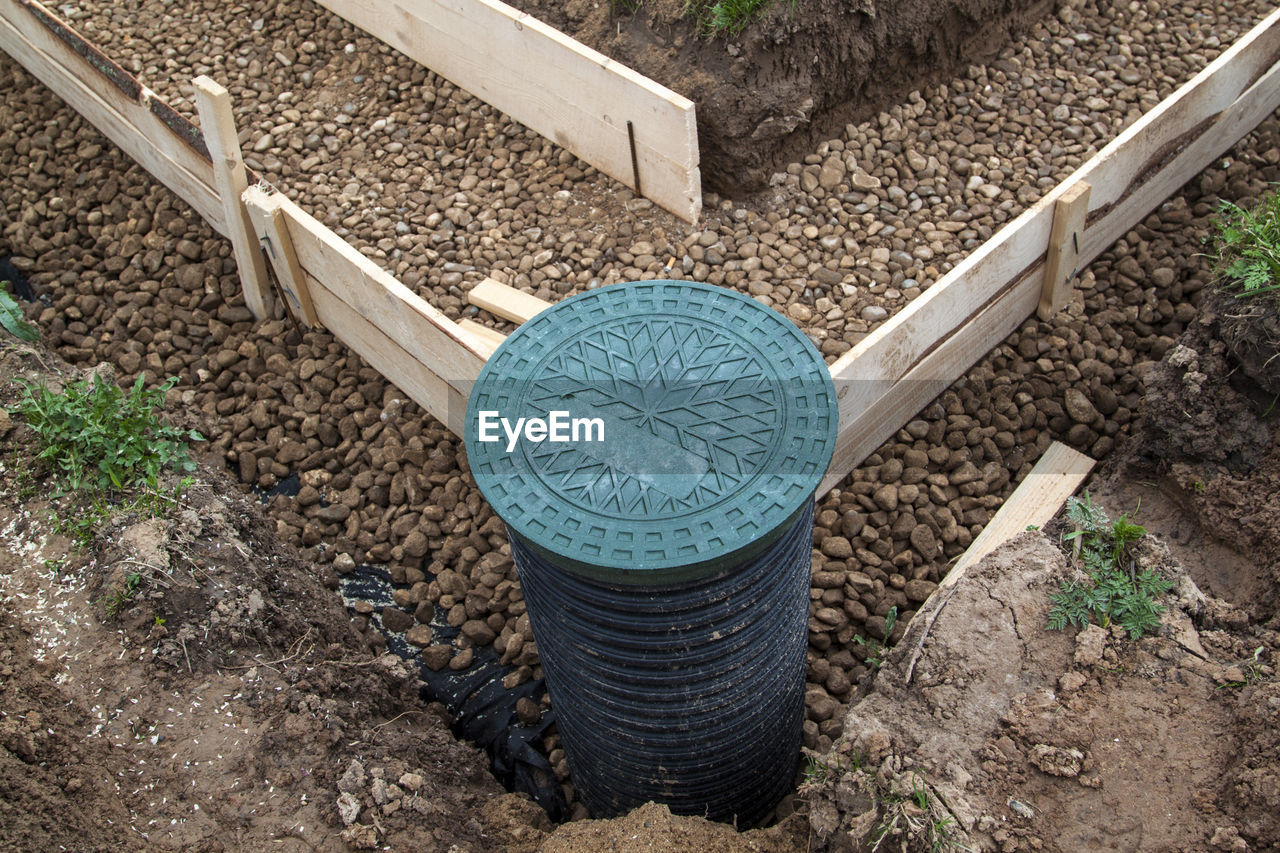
{"x": 219, "y": 127}
{"x": 1069, "y": 214}
{"x": 506, "y": 302}
{"x": 1054, "y": 478}
{"x": 272, "y": 234}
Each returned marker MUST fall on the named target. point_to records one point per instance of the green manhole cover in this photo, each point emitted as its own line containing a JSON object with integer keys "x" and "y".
{"x": 651, "y": 432}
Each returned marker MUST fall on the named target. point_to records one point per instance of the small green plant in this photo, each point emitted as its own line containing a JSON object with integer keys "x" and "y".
{"x": 1247, "y": 247}
{"x": 817, "y": 771}
{"x": 102, "y": 438}
{"x": 875, "y": 651}
{"x": 725, "y": 18}
{"x": 1251, "y": 668}
{"x": 914, "y": 820}
{"x": 907, "y": 815}
{"x": 1113, "y": 588}
{"x": 119, "y": 597}
{"x": 11, "y": 317}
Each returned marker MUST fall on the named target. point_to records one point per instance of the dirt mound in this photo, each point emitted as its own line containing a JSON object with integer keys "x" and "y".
{"x": 993, "y": 732}
{"x": 1024, "y": 738}
{"x": 186, "y": 679}
{"x": 1251, "y": 330}
{"x": 799, "y": 74}
{"x": 1190, "y": 395}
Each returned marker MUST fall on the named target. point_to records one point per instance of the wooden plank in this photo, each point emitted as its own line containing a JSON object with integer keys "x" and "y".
{"x": 486, "y": 340}
{"x": 569, "y": 93}
{"x": 432, "y": 342}
{"x": 927, "y": 380}
{"x": 1054, "y": 478}
{"x": 504, "y": 301}
{"x": 271, "y": 235}
{"x": 390, "y": 357}
{"x": 294, "y": 284}
{"x": 1061, "y": 262}
{"x": 79, "y": 76}
{"x": 218, "y": 125}
{"x": 1129, "y": 177}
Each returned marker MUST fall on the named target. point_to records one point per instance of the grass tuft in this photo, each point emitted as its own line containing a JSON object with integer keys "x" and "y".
{"x": 725, "y": 18}
{"x": 1247, "y": 248}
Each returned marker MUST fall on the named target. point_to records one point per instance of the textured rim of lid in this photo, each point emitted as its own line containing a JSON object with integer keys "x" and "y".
{"x": 719, "y": 420}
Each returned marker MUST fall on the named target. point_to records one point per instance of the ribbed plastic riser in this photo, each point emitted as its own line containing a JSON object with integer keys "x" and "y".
{"x": 718, "y": 732}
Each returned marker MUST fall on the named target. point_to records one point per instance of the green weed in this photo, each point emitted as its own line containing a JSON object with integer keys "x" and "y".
{"x": 817, "y": 771}
{"x": 875, "y": 651}
{"x": 11, "y": 317}
{"x": 1247, "y": 247}
{"x": 1113, "y": 589}
{"x": 1251, "y": 667}
{"x": 24, "y": 482}
{"x": 914, "y": 820}
{"x": 101, "y": 438}
{"x": 120, "y": 597}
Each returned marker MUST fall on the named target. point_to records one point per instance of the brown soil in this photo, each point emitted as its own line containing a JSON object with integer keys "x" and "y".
{"x": 1251, "y": 330}
{"x": 189, "y": 682}
{"x": 224, "y": 703}
{"x": 1054, "y": 740}
{"x": 1030, "y": 739}
{"x": 797, "y": 75}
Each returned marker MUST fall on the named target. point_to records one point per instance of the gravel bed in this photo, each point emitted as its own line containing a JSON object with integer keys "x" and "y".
{"x": 131, "y": 276}
{"x": 444, "y": 190}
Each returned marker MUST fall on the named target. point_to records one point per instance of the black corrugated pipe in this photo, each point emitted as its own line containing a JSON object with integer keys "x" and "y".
{"x": 653, "y": 449}
{"x": 691, "y": 694}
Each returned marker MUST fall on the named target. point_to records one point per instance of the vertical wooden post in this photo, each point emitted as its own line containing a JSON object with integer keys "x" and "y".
{"x": 219, "y": 128}
{"x": 271, "y": 229}
{"x": 1064, "y": 249}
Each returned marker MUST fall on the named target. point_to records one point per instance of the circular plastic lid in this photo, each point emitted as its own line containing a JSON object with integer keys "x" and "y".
{"x": 651, "y": 432}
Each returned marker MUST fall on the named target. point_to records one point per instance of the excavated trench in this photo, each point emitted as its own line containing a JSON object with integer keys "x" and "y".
{"x": 129, "y": 275}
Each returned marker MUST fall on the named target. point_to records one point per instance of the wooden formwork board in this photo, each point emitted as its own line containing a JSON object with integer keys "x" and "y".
{"x": 881, "y": 383}
{"x": 1054, "y": 478}
{"x": 408, "y": 340}
{"x": 902, "y": 365}
{"x": 576, "y": 97}
{"x": 129, "y": 114}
